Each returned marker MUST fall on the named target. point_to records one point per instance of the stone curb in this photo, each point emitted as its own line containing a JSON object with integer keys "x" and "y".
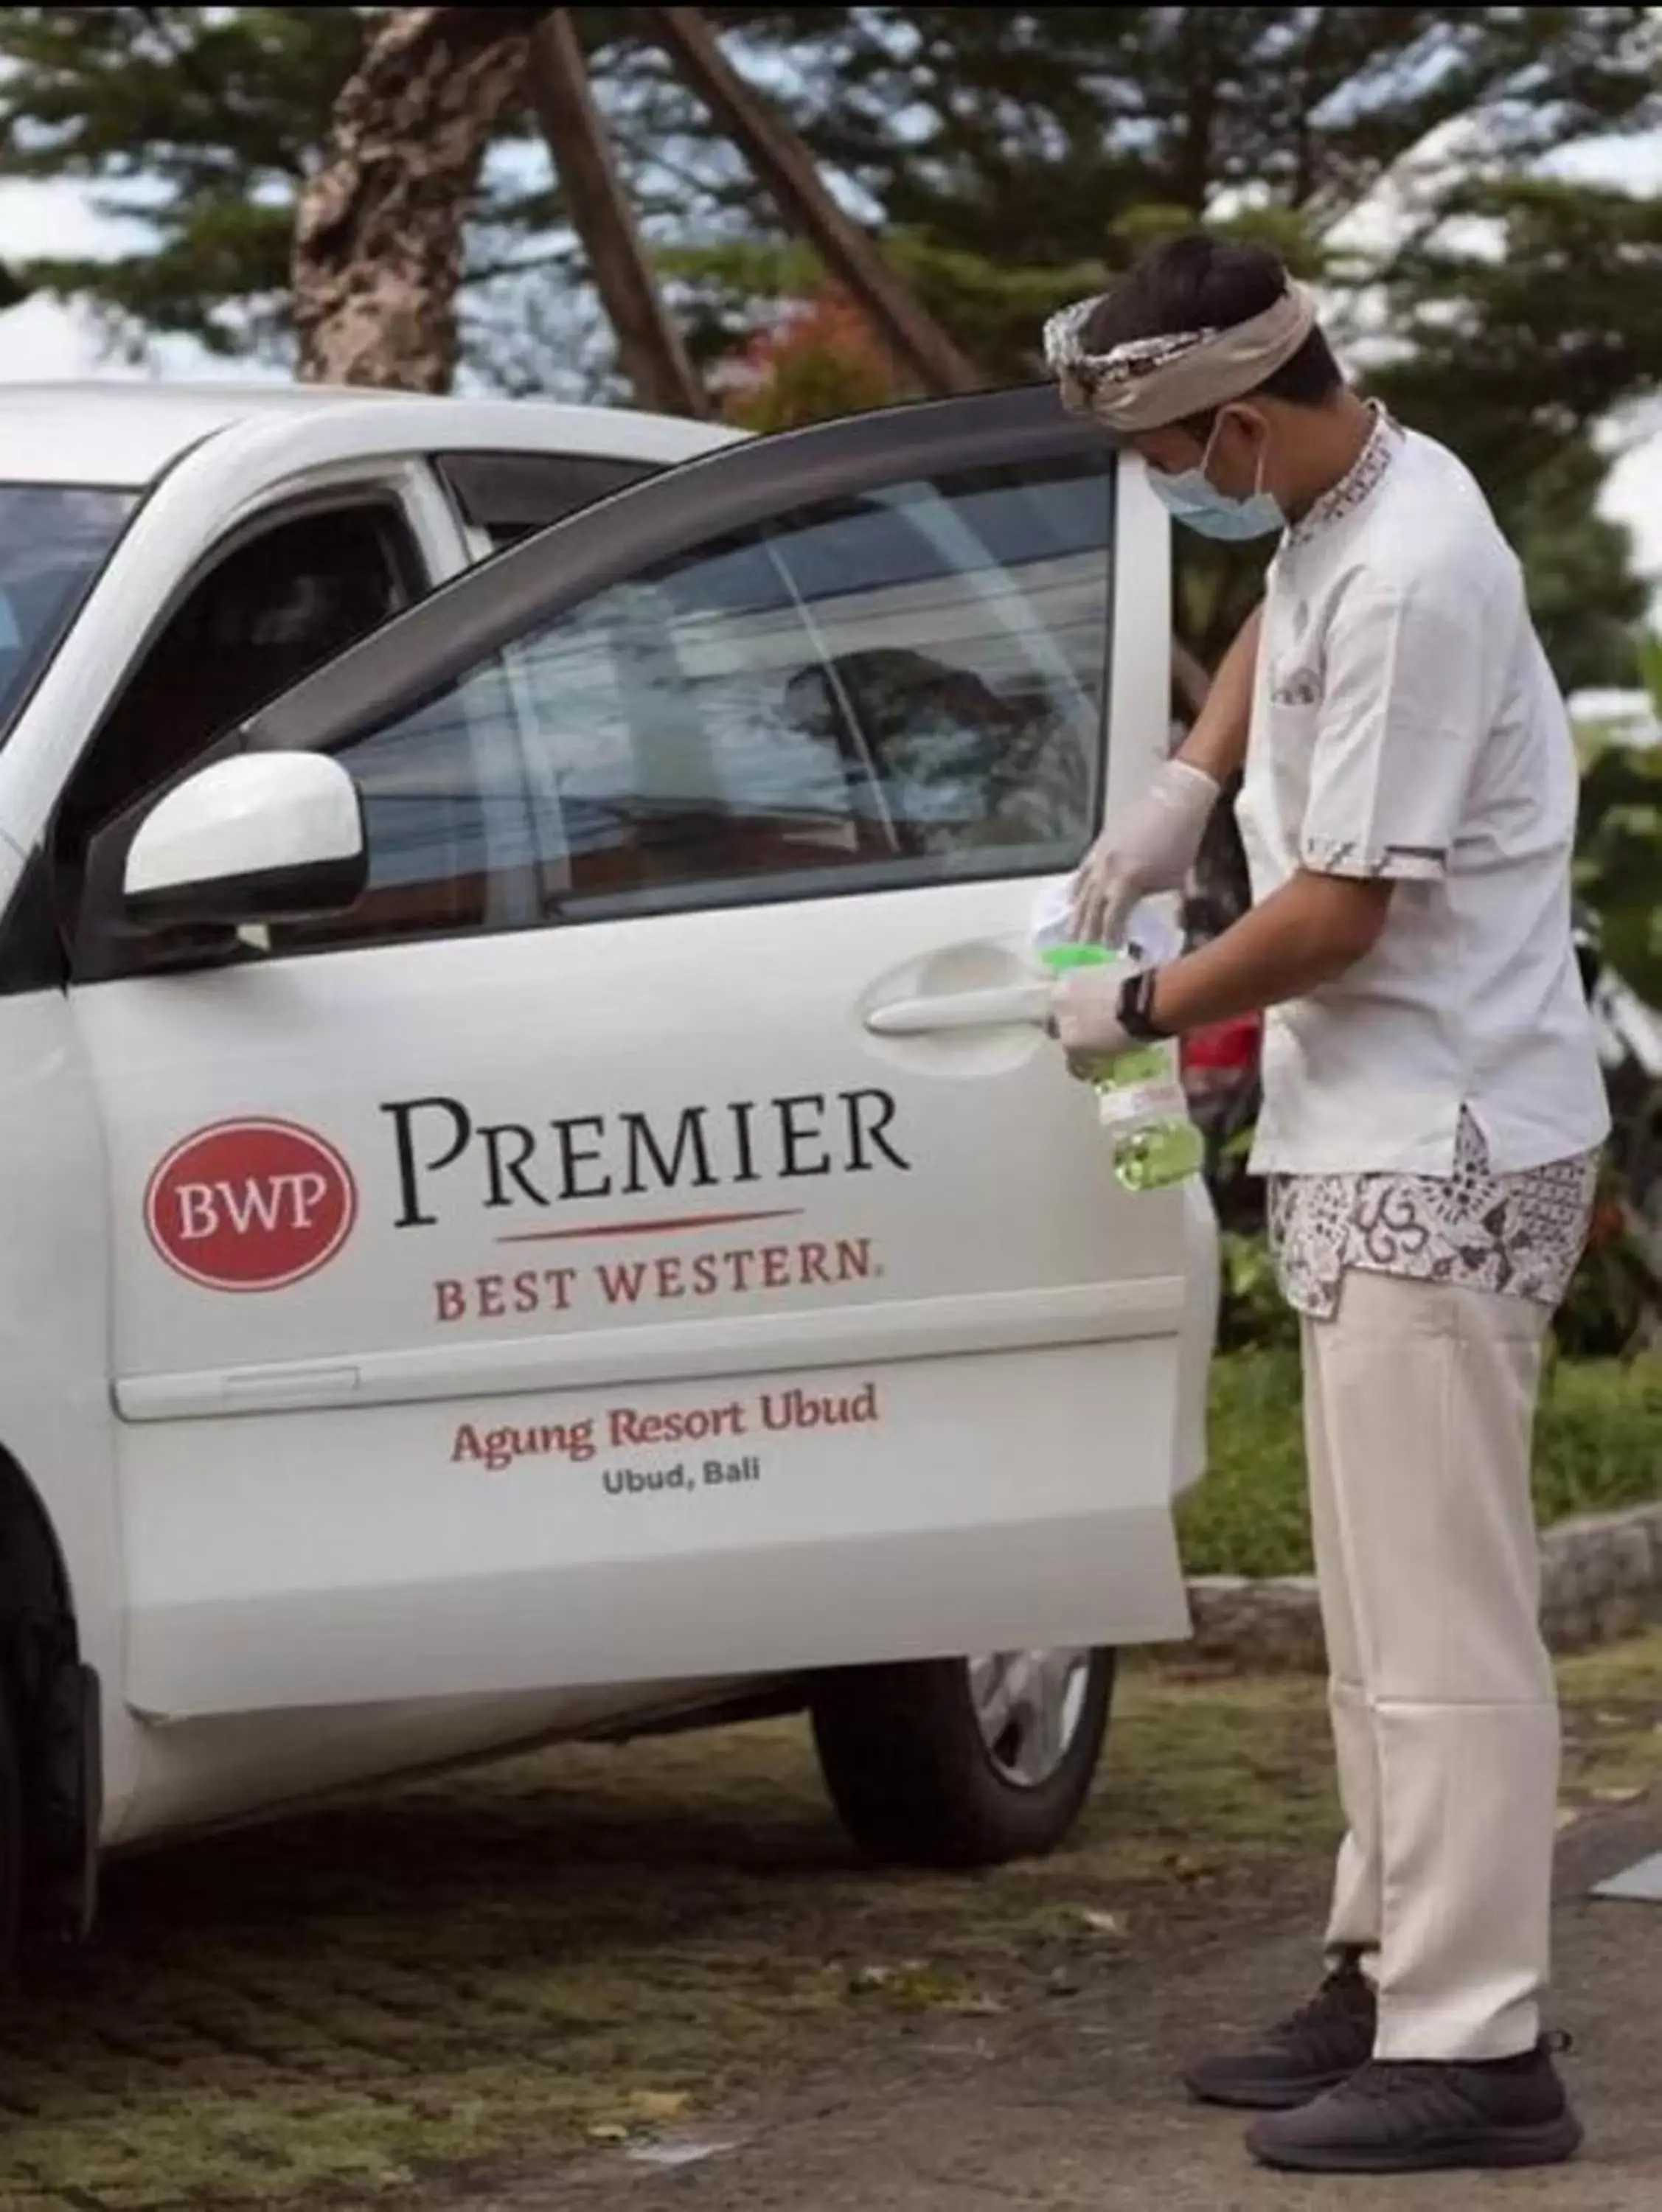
{"x": 1601, "y": 1578}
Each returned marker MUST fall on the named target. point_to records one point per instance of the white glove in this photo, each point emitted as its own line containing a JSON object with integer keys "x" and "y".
{"x": 1084, "y": 1019}
{"x": 1152, "y": 849}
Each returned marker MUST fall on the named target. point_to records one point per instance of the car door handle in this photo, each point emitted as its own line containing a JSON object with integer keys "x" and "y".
{"x": 1011, "y": 1004}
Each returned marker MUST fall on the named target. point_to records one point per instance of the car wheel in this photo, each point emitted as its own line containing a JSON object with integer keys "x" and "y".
{"x": 963, "y": 1762}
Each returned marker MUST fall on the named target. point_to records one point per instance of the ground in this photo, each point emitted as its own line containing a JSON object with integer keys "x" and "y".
{"x": 517, "y": 1988}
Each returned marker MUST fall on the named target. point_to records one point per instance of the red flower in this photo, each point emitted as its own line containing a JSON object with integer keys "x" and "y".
{"x": 1610, "y": 1222}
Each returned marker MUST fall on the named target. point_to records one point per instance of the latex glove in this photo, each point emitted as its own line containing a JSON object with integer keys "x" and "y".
{"x": 1085, "y": 1020}
{"x": 1152, "y": 849}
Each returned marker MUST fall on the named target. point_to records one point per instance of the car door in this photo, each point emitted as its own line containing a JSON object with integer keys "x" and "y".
{"x": 557, "y": 1269}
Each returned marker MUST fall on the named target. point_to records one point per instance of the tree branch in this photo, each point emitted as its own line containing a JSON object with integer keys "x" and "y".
{"x": 780, "y": 158}
{"x": 649, "y": 346}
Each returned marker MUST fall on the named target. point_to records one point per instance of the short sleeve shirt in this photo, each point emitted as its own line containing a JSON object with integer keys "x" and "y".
{"x": 1405, "y": 725}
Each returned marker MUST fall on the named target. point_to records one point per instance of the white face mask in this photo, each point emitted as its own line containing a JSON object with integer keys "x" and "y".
{"x": 1194, "y": 500}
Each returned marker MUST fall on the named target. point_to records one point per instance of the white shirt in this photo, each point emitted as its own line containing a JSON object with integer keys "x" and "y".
{"x": 1405, "y": 724}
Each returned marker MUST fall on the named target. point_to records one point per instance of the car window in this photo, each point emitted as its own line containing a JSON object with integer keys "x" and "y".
{"x": 889, "y": 690}
{"x": 447, "y": 822}
{"x": 269, "y": 610}
{"x": 54, "y": 538}
{"x": 897, "y": 688}
{"x": 508, "y": 495}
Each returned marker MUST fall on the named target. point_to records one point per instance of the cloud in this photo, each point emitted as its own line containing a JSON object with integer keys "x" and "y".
{"x": 1634, "y": 164}
{"x": 46, "y": 220}
{"x": 43, "y": 341}
{"x": 1633, "y": 494}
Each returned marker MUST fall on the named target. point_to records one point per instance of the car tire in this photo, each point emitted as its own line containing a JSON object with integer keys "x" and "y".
{"x": 920, "y": 1776}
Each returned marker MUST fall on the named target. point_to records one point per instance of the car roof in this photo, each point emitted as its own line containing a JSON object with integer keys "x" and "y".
{"x": 126, "y": 434}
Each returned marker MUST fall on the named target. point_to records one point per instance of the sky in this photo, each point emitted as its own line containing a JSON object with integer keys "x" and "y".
{"x": 41, "y": 339}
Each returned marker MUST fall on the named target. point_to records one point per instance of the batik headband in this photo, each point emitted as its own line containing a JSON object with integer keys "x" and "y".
{"x": 1148, "y": 383}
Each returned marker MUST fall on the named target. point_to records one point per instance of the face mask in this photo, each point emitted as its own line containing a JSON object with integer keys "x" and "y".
{"x": 1194, "y": 501}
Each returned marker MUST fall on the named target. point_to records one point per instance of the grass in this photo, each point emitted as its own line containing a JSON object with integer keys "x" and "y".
{"x": 591, "y": 1947}
{"x": 587, "y": 1947}
{"x": 1598, "y": 1446}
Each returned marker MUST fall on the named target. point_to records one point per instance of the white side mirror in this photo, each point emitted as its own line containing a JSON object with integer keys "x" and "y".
{"x": 260, "y": 837}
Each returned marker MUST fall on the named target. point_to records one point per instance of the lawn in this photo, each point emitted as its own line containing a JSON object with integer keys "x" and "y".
{"x": 591, "y": 1947}
{"x": 1599, "y": 1445}
{"x": 580, "y": 1951}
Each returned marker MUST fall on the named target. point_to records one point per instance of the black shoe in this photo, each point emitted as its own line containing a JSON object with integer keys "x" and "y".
{"x": 1414, "y": 2116}
{"x": 1316, "y": 2048}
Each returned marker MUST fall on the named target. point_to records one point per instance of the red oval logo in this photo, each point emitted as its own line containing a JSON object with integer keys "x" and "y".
{"x": 251, "y": 1206}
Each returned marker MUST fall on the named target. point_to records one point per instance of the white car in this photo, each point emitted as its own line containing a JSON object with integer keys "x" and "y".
{"x": 534, "y": 1204}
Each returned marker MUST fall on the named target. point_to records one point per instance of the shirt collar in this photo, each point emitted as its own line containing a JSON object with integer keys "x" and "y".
{"x": 1359, "y": 482}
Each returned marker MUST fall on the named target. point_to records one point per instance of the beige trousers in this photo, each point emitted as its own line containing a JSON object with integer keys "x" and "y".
{"x": 1418, "y": 1409}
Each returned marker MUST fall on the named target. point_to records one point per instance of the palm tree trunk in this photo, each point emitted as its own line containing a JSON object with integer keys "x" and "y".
{"x": 379, "y": 234}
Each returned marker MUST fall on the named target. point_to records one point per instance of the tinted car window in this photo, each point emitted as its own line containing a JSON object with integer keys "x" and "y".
{"x": 54, "y": 538}
{"x": 898, "y": 688}
{"x": 260, "y": 616}
{"x": 875, "y": 692}
{"x": 509, "y": 495}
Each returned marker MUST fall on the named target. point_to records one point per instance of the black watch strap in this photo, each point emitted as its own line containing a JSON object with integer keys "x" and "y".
{"x": 1137, "y": 1009}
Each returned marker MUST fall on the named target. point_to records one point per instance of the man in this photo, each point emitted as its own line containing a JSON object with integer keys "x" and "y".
{"x": 1433, "y": 1106}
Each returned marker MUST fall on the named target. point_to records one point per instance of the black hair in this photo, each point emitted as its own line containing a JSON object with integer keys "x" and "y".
{"x": 1200, "y": 283}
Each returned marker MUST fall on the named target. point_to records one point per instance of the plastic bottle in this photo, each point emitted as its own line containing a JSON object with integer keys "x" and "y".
{"x": 1140, "y": 1099}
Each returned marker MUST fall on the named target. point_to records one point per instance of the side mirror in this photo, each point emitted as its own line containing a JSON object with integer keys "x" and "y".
{"x": 260, "y": 837}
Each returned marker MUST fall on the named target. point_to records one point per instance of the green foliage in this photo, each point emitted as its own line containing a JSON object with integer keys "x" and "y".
{"x": 1595, "y": 1451}
{"x": 1252, "y": 1312}
{"x": 1596, "y": 1437}
{"x": 1513, "y": 289}
{"x": 1043, "y": 135}
{"x": 1647, "y": 652}
{"x": 1010, "y": 158}
{"x": 1041, "y": 148}
{"x": 1249, "y": 1516}
{"x": 1609, "y": 1311}
{"x": 1612, "y": 1300}
{"x": 196, "y": 126}
{"x": 1529, "y": 310}
{"x": 1584, "y": 592}
{"x": 1619, "y": 860}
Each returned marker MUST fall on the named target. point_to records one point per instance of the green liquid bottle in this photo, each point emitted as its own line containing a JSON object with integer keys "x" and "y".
{"x": 1139, "y": 1097}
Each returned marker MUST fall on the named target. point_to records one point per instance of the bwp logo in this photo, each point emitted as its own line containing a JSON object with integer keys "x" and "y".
{"x": 251, "y": 1206}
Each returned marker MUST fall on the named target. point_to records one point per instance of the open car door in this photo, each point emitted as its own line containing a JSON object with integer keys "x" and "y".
{"x": 561, "y": 1267}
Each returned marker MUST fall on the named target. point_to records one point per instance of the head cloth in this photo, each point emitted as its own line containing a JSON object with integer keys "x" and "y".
{"x": 1148, "y": 383}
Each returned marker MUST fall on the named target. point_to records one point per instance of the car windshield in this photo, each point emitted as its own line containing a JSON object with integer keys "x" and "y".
{"x": 54, "y": 538}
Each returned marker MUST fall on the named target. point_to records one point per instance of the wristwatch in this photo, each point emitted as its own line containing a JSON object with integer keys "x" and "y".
{"x": 1137, "y": 1009}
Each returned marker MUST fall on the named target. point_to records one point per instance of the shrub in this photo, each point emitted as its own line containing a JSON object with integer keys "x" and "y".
{"x": 1598, "y": 1446}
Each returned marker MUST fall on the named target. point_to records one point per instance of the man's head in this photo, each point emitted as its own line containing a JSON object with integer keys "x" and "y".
{"x": 1210, "y": 362}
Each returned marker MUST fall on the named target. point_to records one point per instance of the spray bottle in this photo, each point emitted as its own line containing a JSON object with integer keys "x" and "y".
{"x": 1139, "y": 1097}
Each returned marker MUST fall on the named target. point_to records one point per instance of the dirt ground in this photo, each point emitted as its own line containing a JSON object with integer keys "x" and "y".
{"x": 536, "y": 1984}
{"x": 1075, "y": 2111}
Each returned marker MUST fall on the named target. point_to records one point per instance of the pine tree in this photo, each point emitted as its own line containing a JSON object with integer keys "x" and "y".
{"x": 1009, "y": 158}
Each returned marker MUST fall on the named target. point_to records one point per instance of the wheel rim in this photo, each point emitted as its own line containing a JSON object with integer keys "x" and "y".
{"x": 1028, "y": 1705}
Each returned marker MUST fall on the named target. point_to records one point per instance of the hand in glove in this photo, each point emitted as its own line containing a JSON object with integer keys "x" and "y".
{"x": 1085, "y": 1020}
{"x": 1152, "y": 849}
